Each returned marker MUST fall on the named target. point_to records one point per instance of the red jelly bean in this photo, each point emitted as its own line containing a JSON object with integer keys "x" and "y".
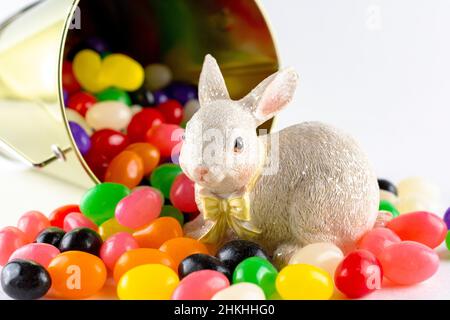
{"x": 81, "y": 102}
{"x": 200, "y": 285}
{"x": 182, "y": 194}
{"x": 142, "y": 122}
{"x": 108, "y": 143}
{"x": 359, "y": 274}
{"x": 11, "y": 239}
{"x": 98, "y": 163}
{"x": 32, "y": 223}
{"x": 423, "y": 227}
{"x": 172, "y": 111}
{"x": 377, "y": 239}
{"x": 78, "y": 220}
{"x": 69, "y": 81}
{"x": 167, "y": 138}
{"x": 58, "y": 215}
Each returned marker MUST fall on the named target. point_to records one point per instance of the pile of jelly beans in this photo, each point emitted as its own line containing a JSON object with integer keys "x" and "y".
{"x": 132, "y": 238}
{"x": 126, "y": 120}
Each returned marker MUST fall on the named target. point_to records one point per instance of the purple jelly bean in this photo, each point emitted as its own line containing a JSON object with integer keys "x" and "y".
{"x": 447, "y": 218}
{"x": 97, "y": 44}
{"x": 182, "y": 92}
{"x": 66, "y": 96}
{"x": 160, "y": 97}
{"x": 82, "y": 139}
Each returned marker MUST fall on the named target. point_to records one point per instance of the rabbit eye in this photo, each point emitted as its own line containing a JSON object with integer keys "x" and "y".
{"x": 238, "y": 144}
{"x": 183, "y": 137}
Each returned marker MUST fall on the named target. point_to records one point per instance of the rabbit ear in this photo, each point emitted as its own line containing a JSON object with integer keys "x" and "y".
{"x": 211, "y": 85}
{"x": 271, "y": 95}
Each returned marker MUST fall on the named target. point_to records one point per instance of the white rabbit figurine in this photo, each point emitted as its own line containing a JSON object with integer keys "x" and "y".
{"x": 321, "y": 187}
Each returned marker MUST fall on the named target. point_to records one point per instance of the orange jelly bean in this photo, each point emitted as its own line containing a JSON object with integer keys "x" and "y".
{"x": 180, "y": 248}
{"x": 76, "y": 275}
{"x": 141, "y": 256}
{"x": 126, "y": 168}
{"x": 148, "y": 153}
{"x": 158, "y": 232}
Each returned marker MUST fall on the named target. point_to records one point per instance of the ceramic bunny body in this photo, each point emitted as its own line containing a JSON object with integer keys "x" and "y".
{"x": 307, "y": 183}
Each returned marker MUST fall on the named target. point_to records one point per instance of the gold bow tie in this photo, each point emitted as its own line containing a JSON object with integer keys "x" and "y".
{"x": 231, "y": 213}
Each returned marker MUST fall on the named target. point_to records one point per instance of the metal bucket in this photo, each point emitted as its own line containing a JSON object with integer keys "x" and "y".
{"x": 35, "y": 42}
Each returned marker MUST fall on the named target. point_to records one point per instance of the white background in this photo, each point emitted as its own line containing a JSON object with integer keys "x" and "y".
{"x": 379, "y": 69}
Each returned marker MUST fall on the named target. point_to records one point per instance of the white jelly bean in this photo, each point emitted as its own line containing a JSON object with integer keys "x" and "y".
{"x": 109, "y": 115}
{"x": 157, "y": 76}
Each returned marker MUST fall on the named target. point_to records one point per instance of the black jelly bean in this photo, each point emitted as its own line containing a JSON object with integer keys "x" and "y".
{"x": 197, "y": 262}
{"x": 81, "y": 239}
{"x": 386, "y": 185}
{"x": 142, "y": 97}
{"x": 51, "y": 235}
{"x": 234, "y": 252}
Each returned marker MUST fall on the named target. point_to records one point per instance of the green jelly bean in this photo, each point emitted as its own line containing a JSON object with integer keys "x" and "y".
{"x": 258, "y": 271}
{"x": 386, "y": 205}
{"x": 163, "y": 177}
{"x": 99, "y": 203}
{"x": 447, "y": 240}
{"x": 114, "y": 94}
{"x": 171, "y": 211}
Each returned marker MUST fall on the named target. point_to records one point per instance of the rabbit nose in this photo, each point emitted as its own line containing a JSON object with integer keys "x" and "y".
{"x": 201, "y": 171}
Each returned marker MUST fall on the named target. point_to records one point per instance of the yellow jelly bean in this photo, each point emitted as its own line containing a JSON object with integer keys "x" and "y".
{"x": 304, "y": 282}
{"x": 111, "y": 227}
{"x": 86, "y": 67}
{"x": 122, "y": 72}
{"x": 148, "y": 282}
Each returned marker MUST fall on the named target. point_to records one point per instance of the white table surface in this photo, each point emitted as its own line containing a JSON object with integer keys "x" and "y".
{"x": 386, "y": 83}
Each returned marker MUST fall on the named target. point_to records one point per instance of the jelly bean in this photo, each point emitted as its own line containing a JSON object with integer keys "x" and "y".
{"x": 167, "y": 138}
{"x": 76, "y": 275}
{"x": 172, "y": 111}
{"x": 182, "y": 92}
{"x": 258, "y": 271}
{"x": 99, "y": 203}
{"x": 65, "y": 97}
{"x": 97, "y": 44}
{"x": 200, "y": 285}
{"x": 158, "y": 232}
{"x": 387, "y": 206}
{"x": 170, "y": 211}
{"x": 11, "y": 239}
{"x": 304, "y": 282}
{"x": 359, "y": 274}
{"x": 142, "y": 122}
{"x": 25, "y": 280}
{"x": 51, "y": 235}
{"x": 86, "y": 67}
{"x": 147, "y": 282}
{"x": 240, "y": 291}
{"x": 323, "y": 255}
{"x": 122, "y": 72}
{"x": 392, "y": 198}
{"x": 41, "y": 253}
{"x": 163, "y": 177}
{"x": 160, "y": 97}
{"x": 139, "y": 208}
{"x": 157, "y": 76}
{"x": 148, "y": 153}
{"x": 81, "y": 239}
{"x": 126, "y": 168}
{"x": 423, "y": 227}
{"x": 135, "y": 109}
{"x": 77, "y": 220}
{"x": 386, "y": 185}
{"x": 32, "y": 223}
{"x": 108, "y": 115}
{"x": 376, "y": 240}
{"x": 447, "y": 240}
{"x": 409, "y": 262}
{"x": 111, "y": 227}
{"x": 69, "y": 80}
{"x": 109, "y": 143}
{"x": 447, "y": 218}
{"x": 141, "y": 256}
{"x": 115, "y": 246}
{"x": 236, "y": 251}
{"x": 58, "y": 215}
{"x": 82, "y": 139}
{"x": 383, "y": 218}
{"x": 190, "y": 108}
{"x": 180, "y": 248}
{"x": 415, "y": 203}
{"x": 182, "y": 194}
{"x": 414, "y": 186}
{"x": 74, "y": 116}
{"x": 114, "y": 94}
{"x": 98, "y": 164}
{"x": 81, "y": 102}
{"x": 142, "y": 97}
{"x": 199, "y": 261}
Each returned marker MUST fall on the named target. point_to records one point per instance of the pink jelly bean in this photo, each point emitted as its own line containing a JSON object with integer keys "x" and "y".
{"x": 78, "y": 220}
{"x": 408, "y": 262}
{"x": 423, "y": 227}
{"x": 139, "y": 208}
{"x": 377, "y": 239}
{"x": 11, "y": 239}
{"x": 32, "y": 223}
{"x": 41, "y": 253}
{"x": 182, "y": 194}
{"x": 115, "y": 246}
{"x": 200, "y": 285}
